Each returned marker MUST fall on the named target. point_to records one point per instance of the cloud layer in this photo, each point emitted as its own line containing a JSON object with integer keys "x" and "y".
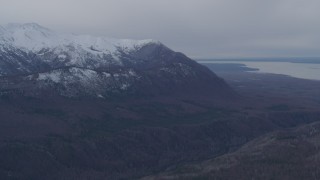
{"x": 199, "y": 28}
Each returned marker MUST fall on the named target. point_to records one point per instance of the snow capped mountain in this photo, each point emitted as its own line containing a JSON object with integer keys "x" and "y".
{"x": 29, "y": 36}
{"x": 39, "y": 60}
{"x": 2, "y": 30}
{"x": 34, "y": 37}
{"x": 70, "y": 49}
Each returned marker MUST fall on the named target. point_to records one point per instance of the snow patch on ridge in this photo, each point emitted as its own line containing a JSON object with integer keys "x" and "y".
{"x": 78, "y": 80}
{"x": 53, "y": 76}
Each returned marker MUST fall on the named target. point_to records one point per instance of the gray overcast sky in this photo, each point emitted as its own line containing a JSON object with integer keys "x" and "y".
{"x": 198, "y": 28}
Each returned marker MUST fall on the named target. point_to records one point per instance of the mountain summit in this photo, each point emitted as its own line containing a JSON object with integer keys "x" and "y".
{"x": 35, "y": 60}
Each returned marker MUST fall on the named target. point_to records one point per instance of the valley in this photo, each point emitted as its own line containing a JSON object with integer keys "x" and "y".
{"x": 288, "y": 150}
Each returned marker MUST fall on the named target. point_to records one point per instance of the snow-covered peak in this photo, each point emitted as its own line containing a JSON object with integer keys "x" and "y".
{"x": 33, "y": 37}
{"x": 2, "y": 32}
{"x": 25, "y": 26}
{"x": 30, "y": 36}
{"x": 2, "y": 29}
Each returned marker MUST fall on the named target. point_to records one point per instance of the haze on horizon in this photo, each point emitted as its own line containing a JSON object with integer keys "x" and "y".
{"x": 198, "y": 28}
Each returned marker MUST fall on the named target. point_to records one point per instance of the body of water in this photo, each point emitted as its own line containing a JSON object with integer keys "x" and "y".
{"x": 298, "y": 70}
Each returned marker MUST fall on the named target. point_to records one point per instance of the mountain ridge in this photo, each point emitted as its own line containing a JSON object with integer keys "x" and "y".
{"x": 98, "y": 66}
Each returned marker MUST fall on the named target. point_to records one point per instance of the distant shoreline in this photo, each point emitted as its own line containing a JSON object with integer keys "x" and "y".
{"x": 310, "y": 60}
{"x": 304, "y": 70}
